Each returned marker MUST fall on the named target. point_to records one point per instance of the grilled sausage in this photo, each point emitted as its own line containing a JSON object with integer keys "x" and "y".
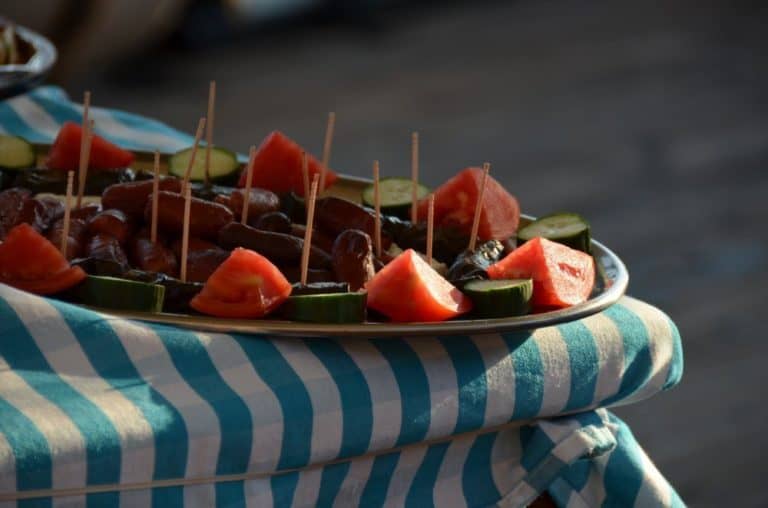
{"x": 75, "y": 238}
{"x": 107, "y": 248}
{"x": 194, "y": 244}
{"x": 279, "y": 248}
{"x": 153, "y": 257}
{"x": 277, "y": 222}
{"x": 261, "y": 201}
{"x": 353, "y": 258}
{"x": 131, "y": 197}
{"x": 319, "y": 239}
{"x": 293, "y": 274}
{"x": 11, "y": 202}
{"x": 202, "y": 263}
{"x": 85, "y": 212}
{"x": 112, "y": 222}
{"x": 206, "y": 218}
{"x": 335, "y": 215}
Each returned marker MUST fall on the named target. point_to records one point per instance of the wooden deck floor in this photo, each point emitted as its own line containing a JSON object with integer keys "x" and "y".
{"x": 650, "y": 120}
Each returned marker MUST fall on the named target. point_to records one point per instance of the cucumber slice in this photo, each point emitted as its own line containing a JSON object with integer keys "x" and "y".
{"x": 500, "y": 298}
{"x": 317, "y": 288}
{"x": 325, "y": 308}
{"x": 567, "y": 228}
{"x": 118, "y": 294}
{"x": 16, "y": 152}
{"x": 224, "y": 165}
{"x": 395, "y": 195}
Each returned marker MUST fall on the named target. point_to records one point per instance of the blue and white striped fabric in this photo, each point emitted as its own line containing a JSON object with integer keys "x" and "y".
{"x": 107, "y": 412}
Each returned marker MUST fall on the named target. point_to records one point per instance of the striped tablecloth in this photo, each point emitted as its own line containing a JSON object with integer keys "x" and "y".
{"x": 109, "y": 412}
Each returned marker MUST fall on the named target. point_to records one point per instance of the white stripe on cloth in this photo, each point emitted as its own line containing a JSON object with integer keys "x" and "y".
{"x": 266, "y": 414}
{"x": 593, "y": 492}
{"x": 66, "y": 444}
{"x": 411, "y": 459}
{"x": 34, "y": 115}
{"x": 654, "y": 491}
{"x": 155, "y": 366}
{"x": 506, "y": 454}
{"x": 74, "y": 501}
{"x": 327, "y": 418}
{"x": 660, "y": 346}
{"x": 67, "y": 358}
{"x": 521, "y": 495}
{"x": 200, "y": 496}
{"x": 575, "y": 500}
{"x": 499, "y": 378}
{"x": 556, "y": 370}
{"x": 7, "y": 461}
{"x": 354, "y": 483}
{"x": 258, "y": 493}
{"x": 610, "y": 355}
{"x": 385, "y": 394}
{"x": 307, "y": 487}
{"x": 106, "y": 122}
{"x": 141, "y": 497}
{"x": 443, "y": 387}
{"x": 449, "y": 489}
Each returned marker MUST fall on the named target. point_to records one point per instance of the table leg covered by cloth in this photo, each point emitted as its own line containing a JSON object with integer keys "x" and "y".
{"x": 108, "y": 412}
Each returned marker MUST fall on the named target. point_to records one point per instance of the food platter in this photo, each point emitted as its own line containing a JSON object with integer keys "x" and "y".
{"x": 610, "y": 285}
{"x": 15, "y": 79}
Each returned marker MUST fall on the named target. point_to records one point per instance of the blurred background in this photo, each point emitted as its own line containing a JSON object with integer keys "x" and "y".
{"x": 649, "y": 118}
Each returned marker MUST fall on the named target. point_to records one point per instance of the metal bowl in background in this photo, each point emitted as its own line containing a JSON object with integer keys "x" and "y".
{"x": 15, "y": 79}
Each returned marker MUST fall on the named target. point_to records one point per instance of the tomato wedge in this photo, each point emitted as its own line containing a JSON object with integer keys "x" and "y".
{"x": 30, "y": 262}
{"x": 407, "y": 289}
{"x": 65, "y": 152}
{"x": 456, "y": 199}
{"x": 277, "y": 166}
{"x": 246, "y": 285}
{"x": 561, "y": 276}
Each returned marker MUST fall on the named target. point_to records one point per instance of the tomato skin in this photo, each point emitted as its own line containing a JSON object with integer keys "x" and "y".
{"x": 407, "y": 289}
{"x": 30, "y": 262}
{"x": 246, "y": 285}
{"x": 456, "y": 199}
{"x": 65, "y": 152}
{"x": 561, "y": 276}
{"x": 277, "y": 166}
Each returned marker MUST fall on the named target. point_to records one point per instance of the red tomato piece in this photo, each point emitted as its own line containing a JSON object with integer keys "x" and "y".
{"x": 29, "y": 261}
{"x": 561, "y": 276}
{"x": 456, "y": 199}
{"x": 65, "y": 152}
{"x": 277, "y": 166}
{"x": 407, "y": 289}
{"x": 246, "y": 285}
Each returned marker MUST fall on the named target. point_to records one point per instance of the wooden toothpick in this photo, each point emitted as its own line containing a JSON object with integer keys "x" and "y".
{"x": 198, "y": 135}
{"x": 185, "y": 232}
{"x": 85, "y": 157}
{"x": 478, "y": 208}
{"x": 414, "y": 177}
{"x": 67, "y": 211}
{"x": 377, "y": 208}
{"x": 305, "y": 251}
{"x": 209, "y": 131}
{"x": 248, "y": 183}
{"x": 327, "y": 147}
{"x": 305, "y": 174}
{"x": 430, "y": 227}
{"x": 155, "y": 197}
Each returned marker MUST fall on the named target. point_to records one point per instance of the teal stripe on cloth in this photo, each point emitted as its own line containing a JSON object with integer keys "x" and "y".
{"x": 14, "y": 124}
{"x": 30, "y": 449}
{"x": 583, "y": 359}
{"x": 623, "y": 476}
{"x": 638, "y": 363}
{"x": 108, "y": 357}
{"x": 169, "y": 497}
{"x": 421, "y": 492}
{"x": 477, "y": 481}
{"x": 230, "y": 494}
{"x": 356, "y": 404}
{"x": 284, "y": 488}
{"x": 102, "y": 443}
{"x": 375, "y": 491}
{"x": 330, "y": 483}
{"x": 413, "y": 385}
{"x": 529, "y": 371}
{"x": 470, "y": 379}
{"x": 676, "y": 366}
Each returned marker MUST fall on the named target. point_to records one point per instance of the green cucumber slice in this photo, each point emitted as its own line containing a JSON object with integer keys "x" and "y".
{"x": 325, "y": 308}
{"x": 499, "y": 298}
{"x": 567, "y": 228}
{"x": 16, "y": 152}
{"x": 396, "y": 194}
{"x": 224, "y": 165}
{"x": 118, "y": 294}
{"x": 318, "y": 288}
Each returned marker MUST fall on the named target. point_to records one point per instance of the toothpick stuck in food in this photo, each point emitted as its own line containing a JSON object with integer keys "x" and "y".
{"x": 377, "y": 207}
{"x": 327, "y": 147}
{"x": 430, "y": 227}
{"x": 478, "y": 208}
{"x": 414, "y": 177}
{"x": 305, "y": 174}
{"x": 67, "y": 211}
{"x": 185, "y": 232}
{"x": 209, "y": 131}
{"x": 155, "y": 190}
{"x": 306, "y": 248}
{"x": 188, "y": 172}
{"x": 248, "y": 184}
{"x": 85, "y": 157}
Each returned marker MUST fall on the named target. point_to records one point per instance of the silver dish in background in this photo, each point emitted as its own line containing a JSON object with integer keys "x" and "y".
{"x": 15, "y": 79}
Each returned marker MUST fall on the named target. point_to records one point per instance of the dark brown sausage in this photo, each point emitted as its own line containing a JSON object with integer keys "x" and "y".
{"x": 205, "y": 220}
{"x": 202, "y": 263}
{"x": 112, "y": 222}
{"x": 106, "y": 248}
{"x": 261, "y": 201}
{"x": 335, "y": 215}
{"x": 75, "y": 237}
{"x": 152, "y": 257}
{"x": 319, "y": 238}
{"x": 293, "y": 274}
{"x": 131, "y": 197}
{"x": 276, "y": 222}
{"x": 11, "y": 202}
{"x": 39, "y": 212}
{"x": 279, "y": 248}
{"x": 85, "y": 212}
{"x": 353, "y": 258}
{"x": 194, "y": 245}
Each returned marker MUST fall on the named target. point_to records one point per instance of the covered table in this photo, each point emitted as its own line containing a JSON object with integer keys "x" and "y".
{"x": 108, "y": 412}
